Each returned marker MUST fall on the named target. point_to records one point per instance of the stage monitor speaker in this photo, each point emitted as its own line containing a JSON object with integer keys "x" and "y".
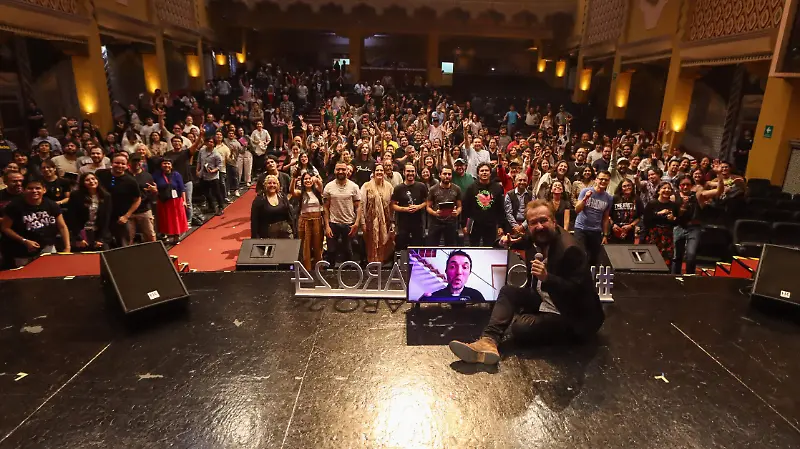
{"x": 141, "y": 276}
{"x": 776, "y": 277}
{"x": 635, "y": 258}
{"x": 268, "y": 254}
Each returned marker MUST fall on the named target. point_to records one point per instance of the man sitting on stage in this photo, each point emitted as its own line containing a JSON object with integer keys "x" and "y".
{"x": 559, "y": 301}
{"x": 457, "y": 269}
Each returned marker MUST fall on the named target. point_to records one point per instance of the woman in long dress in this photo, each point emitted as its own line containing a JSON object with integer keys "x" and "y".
{"x": 376, "y": 214}
{"x": 171, "y": 205}
{"x": 310, "y": 227}
{"x": 660, "y": 216}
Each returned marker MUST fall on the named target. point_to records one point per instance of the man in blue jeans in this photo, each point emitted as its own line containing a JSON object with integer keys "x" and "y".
{"x": 593, "y": 208}
{"x": 342, "y": 214}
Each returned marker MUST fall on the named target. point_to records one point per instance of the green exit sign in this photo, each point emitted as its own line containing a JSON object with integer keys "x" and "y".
{"x": 768, "y": 131}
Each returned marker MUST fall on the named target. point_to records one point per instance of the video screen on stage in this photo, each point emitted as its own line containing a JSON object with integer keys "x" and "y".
{"x": 456, "y": 274}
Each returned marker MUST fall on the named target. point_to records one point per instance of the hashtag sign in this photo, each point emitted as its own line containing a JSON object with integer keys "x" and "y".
{"x": 605, "y": 282}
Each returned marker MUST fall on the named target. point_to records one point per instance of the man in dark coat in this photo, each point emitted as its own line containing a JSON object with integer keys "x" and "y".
{"x": 559, "y": 301}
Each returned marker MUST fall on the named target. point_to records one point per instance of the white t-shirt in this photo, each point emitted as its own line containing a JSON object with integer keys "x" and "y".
{"x": 547, "y": 305}
{"x": 64, "y": 165}
{"x": 311, "y": 204}
{"x": 341, "y": 199}
{"x": 149, "y": 129}
{"x": 594, "y": 155}
{"x": 338, "y": 102}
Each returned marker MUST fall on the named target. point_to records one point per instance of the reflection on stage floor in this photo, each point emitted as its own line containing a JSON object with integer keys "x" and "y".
{"x": 678, "y": 364}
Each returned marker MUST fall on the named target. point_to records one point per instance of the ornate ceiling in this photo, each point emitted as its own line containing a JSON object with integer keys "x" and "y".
{"x": 471, "y": 8}
{"x": 517, "y": 19}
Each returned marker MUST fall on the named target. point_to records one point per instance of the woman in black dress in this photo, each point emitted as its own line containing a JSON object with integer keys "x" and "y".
{"x": 625, "y": 214}
{"x": 561, "y": 204}
{"x": 270, "y": 214}
{"x": 659, "y": 219}
{"x": 89, "y": 215}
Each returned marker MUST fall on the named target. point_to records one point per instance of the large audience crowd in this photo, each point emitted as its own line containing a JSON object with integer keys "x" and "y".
{"x": 384, "y": 167}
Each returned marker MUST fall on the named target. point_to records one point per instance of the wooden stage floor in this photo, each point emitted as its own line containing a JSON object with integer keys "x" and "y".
{"x": 678, "y": 364}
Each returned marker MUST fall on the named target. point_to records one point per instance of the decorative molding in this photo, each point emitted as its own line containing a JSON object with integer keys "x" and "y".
{"x": 727, "y": 61}
{"x": 126, "y": 36}
{"x": 748, "y": 45}
{"x": 471, "y": 8}
{"x": 711, "y": 19}
{"x": 40, "y": 35}
{"x": 647, "y": 58}
{"x": 42, "y": 7}
{"x": 63, "y": 6}
{"x": 104, "y": 14}
{"x": 605, "y": 21}
{"x": 181, "y": 13}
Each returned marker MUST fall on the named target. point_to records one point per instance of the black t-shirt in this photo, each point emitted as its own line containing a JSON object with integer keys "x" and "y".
{"x": 651, "y": 217}
{"x": 563, "y": 206}
{"x": 484, "y": 203}
{"x": 362, "y": 170}
{"x": 410, "y": 195}
{"x": 438, "y": 195}
{"x": 263, "y": 214}
{"x": 180, "y": 163}
{"x": 57, "y": 189}
{"x": 624, "y": 211}
{"x": 124, "y": 191}
{"x": 692, "y": 213}
{"x": 5, "y": 198}
{"x": 575, "y": 171}
{"x": 32, "y": 222}
{"x": 142, "y": 179}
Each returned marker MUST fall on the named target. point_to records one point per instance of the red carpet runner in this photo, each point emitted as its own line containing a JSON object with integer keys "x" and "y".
{"x": 215, "y": 245}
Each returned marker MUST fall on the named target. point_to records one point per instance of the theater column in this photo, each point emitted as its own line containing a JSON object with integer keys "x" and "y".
{"x": 583, "y": 81}
{"x": 434, "y": 66}
{"x": 560, "y": 79}
{"x": 91, "y": 84}
{"x": 356, "y": 55}
{"x": 222, "y": 65}
{"x": 196, "y": 69}
{"x": 677, "y": 100}
{"x": 619, "y": 92}
{"x": 155, "y": 67}
{"x": 241, "y": 57}
{"x": 777, "y": 124}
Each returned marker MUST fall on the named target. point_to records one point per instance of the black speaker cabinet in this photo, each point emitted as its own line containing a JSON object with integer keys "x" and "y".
{"x": 638, "y": 258}
{"x": 141, "y": 276}
{"x": 776, "y": 277}
{"x": 268, "y": 254}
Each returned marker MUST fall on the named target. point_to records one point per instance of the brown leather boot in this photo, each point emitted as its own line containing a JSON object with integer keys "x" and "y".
{"x": 482, "y": 351}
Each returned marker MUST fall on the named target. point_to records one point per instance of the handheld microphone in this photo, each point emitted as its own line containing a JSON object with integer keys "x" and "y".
{"x": 538, "y": 256}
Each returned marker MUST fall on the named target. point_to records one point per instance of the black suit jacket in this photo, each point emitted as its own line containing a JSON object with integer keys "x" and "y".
{"x": 569, "y": 282}
{"x": 78, "y": 214}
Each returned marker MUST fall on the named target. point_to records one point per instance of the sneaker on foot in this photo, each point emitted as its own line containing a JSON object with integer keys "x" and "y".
{"x": 482, "y": 351}
{"x": 237, "y": 194}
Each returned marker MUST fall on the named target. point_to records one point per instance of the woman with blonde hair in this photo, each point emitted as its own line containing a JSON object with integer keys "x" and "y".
{"x": 270, "y": 214}
{"x": 376, "y": 216}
